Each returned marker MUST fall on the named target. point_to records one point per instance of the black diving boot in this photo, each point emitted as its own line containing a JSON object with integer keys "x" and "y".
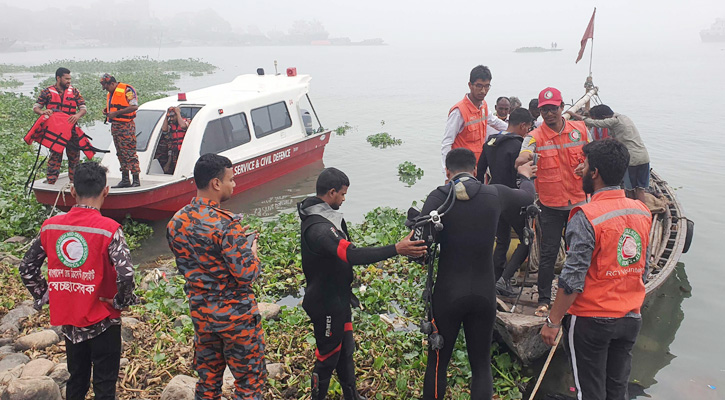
{"x": 349, "y": 392}
{"x": 136, "y": 181}
{"x": 319, "y": 388}
{"x": 125, "y": 182}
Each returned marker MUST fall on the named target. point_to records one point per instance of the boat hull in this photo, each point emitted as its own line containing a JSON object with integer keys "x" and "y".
{"x": 163, "y": 200}
{"x": 520, "y": 332}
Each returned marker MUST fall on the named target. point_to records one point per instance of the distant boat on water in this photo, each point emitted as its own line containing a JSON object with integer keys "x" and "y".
{"x": 716, "y": 32}
{"x": 535, "y": 50}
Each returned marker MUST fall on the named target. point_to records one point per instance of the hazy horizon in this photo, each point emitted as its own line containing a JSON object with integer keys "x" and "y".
{"x": 527, "y": 23}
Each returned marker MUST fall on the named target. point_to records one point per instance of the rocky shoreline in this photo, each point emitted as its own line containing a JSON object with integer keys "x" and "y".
{"x": 33, "y": 363}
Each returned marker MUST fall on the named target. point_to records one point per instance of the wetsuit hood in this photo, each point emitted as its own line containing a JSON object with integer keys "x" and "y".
{"x": 316, "y": 206}
{"x": 466, "y": 188}
{"x": 500, "y": 138}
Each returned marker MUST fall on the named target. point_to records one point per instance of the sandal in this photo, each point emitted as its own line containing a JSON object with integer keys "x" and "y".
{"x": 542, "y": 310}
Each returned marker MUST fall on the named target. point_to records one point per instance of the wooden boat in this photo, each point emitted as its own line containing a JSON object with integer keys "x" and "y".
{"x": 670, "y": 236}
{"x": 257, "y": 121}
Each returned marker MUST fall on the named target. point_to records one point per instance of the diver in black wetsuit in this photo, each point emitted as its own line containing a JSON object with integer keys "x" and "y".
{"x": 464, "y": 290}
{"x": 327, "y": 260}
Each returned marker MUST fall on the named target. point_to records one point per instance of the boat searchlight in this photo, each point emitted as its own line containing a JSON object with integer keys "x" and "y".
{"x": 181, "y": 97}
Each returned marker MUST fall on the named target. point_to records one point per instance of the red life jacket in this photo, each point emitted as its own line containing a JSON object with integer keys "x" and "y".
{"x": 79, "y": 267}
{"x": 559, "y": 155}
{"x": 66, "y": 103}
{"x": 600, "y": 133}
{"x": 474, "y": 126}
{"x": 176, "y": 135}
{"x": 613, "y": 285}
{"x": 56, "y": 133}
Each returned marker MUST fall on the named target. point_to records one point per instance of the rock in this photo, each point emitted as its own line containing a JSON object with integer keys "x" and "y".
{"x": 33, "y": 388}
{"x": 269, "y": 310}
{"x": 38, "y": 340}
{"x": 60, "y": 374}
{"x": 128, "y": 324}
{"x": 5, "y": 341}
{"x": 275, "y": 370}
{"x": 181, "y": 320}
{"x": 9, "y": 375}
{"x": 13, "y": 360}
{"x": 181, "y": 387}
{"x": 5, "y": 350}
{"x": 10, "y": 259}
{"x": 17, "y": 315}
{"x": 9, "y": 329}
{"x": 37, "y": 367}
{"x": 123, "y": 362}
{"x": 17, "y": 239}
{"x": 151, "y": 279}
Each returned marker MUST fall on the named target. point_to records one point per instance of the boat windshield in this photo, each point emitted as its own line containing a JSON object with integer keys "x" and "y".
{"x": 145, "y": 121}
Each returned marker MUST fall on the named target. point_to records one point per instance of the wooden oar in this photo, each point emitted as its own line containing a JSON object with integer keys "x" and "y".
{"x": 546, "y": 365}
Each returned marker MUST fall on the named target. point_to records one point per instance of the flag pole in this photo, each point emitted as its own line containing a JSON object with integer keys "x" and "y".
{"x": 591, "y": 50}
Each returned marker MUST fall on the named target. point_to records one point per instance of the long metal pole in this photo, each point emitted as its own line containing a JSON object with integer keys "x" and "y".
{"x": 313, "y": 110}
{"x": 591, "y": 56}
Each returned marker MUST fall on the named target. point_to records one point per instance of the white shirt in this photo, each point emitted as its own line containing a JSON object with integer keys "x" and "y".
{"x": 454, "y": 126}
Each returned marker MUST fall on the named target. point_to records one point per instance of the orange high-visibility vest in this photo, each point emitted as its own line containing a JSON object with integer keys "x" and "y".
{"x": 119, "y": 102}
{"x": 474, "y": 126}
{"x": 559, "y": 154}
{"x": 613, "y": 285}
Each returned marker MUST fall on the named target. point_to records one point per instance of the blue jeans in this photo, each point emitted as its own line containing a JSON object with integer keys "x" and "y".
{"x": 637, "y": 176}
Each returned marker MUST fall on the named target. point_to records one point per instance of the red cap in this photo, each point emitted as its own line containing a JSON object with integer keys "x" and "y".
{"x": 550, "y": 96}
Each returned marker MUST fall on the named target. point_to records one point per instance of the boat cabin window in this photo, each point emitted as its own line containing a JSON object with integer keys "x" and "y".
{"x": 225, "y": 133}
{"x": 145, "y": 121}
{"x": 270, "y": 119}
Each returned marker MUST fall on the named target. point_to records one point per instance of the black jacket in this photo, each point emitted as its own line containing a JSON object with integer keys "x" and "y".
{"x": 499, "y": 155}
{"x": 328, "y": 257}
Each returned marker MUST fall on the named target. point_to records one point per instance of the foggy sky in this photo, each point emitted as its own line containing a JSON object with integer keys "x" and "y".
{"x": 503, "y": 23}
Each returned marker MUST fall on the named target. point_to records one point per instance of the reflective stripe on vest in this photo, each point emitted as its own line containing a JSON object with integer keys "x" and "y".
{"x": 613, "y": 284}
{"x": 119, "y": 102}
{"x": 474, "y": 126}
{"x": 556, "y": 183}
{"x": 79, "y": 267}
{"x": 67, "y": 103}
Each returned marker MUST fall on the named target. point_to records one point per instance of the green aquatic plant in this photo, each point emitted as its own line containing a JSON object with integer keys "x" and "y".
{"x": 136, "y": 232}
{"x": 10, "y": 83}
{"x": 383, "y": 140}
{"x": 409, "y": 173}
{"x": 342, "y": 129}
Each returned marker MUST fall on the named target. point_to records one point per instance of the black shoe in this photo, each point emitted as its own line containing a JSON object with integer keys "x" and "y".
{"x": 504, "y": 288}
{"x": 349, "y": 392}
{"x": 319, "y": 388}
{"x": 136, "y": 181}
{"x": 125, "y": 182}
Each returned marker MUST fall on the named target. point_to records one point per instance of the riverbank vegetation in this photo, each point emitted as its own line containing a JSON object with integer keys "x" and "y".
{"x": 20, "y": 213}
{"x": 392, "y": 353}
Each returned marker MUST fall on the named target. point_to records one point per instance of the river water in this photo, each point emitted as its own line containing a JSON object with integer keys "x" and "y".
{"x": 672, "y": 94}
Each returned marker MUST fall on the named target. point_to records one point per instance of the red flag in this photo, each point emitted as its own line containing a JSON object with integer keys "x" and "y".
{"x": 588, "y": 34}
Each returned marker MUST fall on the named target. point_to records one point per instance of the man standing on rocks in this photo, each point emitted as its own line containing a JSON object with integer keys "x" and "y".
{"x": 90, "y": 280}
{"x": 121, "y": 106}
{"x": 327, "y": 260}
{"x": 219, "y": 262}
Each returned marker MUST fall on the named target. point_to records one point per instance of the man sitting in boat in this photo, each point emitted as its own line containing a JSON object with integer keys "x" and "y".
{"x": 621, "y": 128}
{"x": 601, "y": 287}
{"x": 173, "y": 131}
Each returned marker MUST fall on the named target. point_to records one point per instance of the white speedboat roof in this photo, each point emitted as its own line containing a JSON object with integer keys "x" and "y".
{"x": 248, "y": 87}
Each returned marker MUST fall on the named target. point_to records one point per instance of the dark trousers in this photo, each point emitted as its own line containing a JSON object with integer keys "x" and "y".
{"x": 477, "y": 314}
{"x": 103, "y": 353}
{"x": 335, "y": 347}
{"x": 600, "y": 351}
{"x": 502, "y": 268}
{"x": 552, "y": 223}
